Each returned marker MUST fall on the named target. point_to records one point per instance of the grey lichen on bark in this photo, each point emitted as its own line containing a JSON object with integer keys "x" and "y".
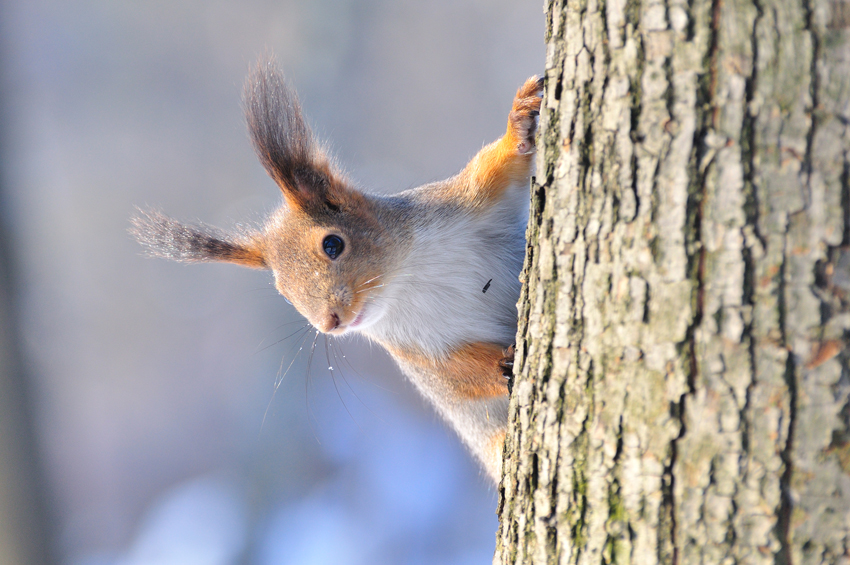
{"x": 682, "y": 388}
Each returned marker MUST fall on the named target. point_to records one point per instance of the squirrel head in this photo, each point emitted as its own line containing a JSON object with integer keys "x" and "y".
{"x": 326, "y": 245}
{"x": 329, "y": 256}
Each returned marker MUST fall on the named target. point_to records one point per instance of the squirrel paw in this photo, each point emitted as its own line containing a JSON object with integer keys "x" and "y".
{"x": 506, "y": 364}
{"x": 524, "y": 114}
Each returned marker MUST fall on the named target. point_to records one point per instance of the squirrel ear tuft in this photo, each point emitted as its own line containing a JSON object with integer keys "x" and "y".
{"x": 281, "y": 138}
{"x": 284, "y": 143}
{"x": 170, "y": 239}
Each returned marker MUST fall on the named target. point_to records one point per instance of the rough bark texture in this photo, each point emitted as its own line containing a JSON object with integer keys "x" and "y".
{"x": 682, "y": 372}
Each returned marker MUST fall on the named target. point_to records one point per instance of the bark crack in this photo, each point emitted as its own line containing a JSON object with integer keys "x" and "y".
{"x": 748, "y": 153}
{"x": 786, "y": 506}
{"x": 696, "y": 255}
{"x": 845, "y": 199}
{"x": 783, "y": 523}
{"x": 814, "y": 87}
{"x": 784, "y": 515}
{"x": 751, "y": 212}
{"x": 634, "y": 129}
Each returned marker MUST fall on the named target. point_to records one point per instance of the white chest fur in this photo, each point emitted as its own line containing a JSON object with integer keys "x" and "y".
{"x": 436, "y": 299}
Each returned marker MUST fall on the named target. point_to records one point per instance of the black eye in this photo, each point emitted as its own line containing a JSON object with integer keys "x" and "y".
{"x": 333, "y": 246}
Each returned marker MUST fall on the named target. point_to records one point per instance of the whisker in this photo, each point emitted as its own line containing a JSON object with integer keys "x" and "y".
{"x": 279, "y": 378}
{"x": 333, "y": 380}
{"x": 368, "y": 289}
{"x": 336, "y": 359}
{"x": 307, "y": 389}
{"x": 306, "y": 325}
{"x": 370, "y": 280}
{"x": 283, "y": 325}
{"x": 300, "y": 345}
{"x": 364, "y": 283}
{"x": 359, "y": 374}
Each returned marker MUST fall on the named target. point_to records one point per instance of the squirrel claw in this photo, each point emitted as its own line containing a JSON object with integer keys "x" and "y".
{"x": 506, "y": 364}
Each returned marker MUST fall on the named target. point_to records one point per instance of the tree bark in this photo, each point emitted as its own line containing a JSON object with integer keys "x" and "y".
{"x": 682, "y": 390}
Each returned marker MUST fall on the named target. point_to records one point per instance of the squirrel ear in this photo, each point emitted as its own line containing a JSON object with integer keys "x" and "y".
{"x": 282, "y": 139}
{"x": 168, "y": 238}
{"x": 311, "y": 188}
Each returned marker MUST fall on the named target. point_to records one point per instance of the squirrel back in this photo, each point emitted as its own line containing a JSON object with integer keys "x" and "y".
{"x": 430, "y": 273}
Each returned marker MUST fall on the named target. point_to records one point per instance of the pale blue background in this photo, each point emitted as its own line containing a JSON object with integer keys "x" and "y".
{"x": 162, "y": 438}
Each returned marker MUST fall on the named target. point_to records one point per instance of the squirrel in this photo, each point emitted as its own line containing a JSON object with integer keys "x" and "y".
{"x": 431, "y": 273}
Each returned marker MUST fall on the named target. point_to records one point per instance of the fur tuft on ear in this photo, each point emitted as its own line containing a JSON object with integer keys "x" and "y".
{"x": 168, "y": 238}
{"x": 282, "y": 139}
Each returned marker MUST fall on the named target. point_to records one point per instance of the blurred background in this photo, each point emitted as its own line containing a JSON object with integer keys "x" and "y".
{"x": 144, "y": 413}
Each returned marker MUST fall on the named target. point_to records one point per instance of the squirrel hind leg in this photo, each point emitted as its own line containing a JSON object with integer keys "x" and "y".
{"x": 523, "y": 119}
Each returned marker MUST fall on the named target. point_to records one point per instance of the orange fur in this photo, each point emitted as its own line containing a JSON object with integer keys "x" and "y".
{"x": 502, "y": 163}
{"x": 471, "y": 372}
{"x": 250, "y": 254}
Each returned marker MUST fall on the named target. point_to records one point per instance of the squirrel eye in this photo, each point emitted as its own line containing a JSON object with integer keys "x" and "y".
{"x": 333, "y": 246}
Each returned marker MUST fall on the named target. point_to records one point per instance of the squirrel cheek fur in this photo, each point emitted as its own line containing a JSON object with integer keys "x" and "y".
{"x": 431, "y": 273}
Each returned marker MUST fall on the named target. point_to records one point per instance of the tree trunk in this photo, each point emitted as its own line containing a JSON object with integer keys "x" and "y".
{"x": 682, "y": 376}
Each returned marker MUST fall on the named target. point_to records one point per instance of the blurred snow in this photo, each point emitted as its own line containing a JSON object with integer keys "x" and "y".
{"x": 201, "y": 522}
{"x": 318, "y": 530}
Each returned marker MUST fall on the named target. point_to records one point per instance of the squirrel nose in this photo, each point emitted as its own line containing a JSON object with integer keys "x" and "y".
{"x": 331, "y": 322}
